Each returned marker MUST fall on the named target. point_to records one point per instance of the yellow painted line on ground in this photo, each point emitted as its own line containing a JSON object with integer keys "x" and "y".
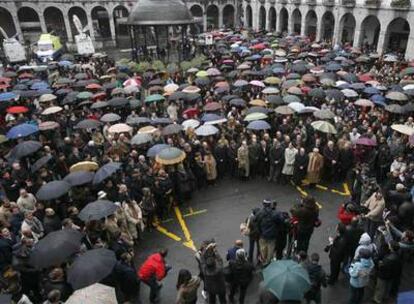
{"x": 321, "y": 187}
{"x": 189, "y": 242}
{"x": 167, "y": 233}
{"x": 190, "y": 209}
{"x": 304, "y": 193}
{"x": 195, "y": 213}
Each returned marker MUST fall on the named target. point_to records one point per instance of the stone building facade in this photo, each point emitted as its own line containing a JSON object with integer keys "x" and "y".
{"x": 382, "y": 25}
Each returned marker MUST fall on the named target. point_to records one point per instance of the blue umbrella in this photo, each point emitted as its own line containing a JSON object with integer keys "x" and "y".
{"x": 371, "y": 91}
{"x": 154, "y": 150}
{"x": 406, "y": 297}
{"x": 78, "y": 178}
{"x": 333, "y": 67}
{"x": 7, "y": 96}
{"x": 106, "y": 171}
{"x": 53, "y": 190}
{"x": 65, "y": 63}
{"x": 22, "y": 130}
{"x": 43, "y": 92}
{"x": 39, "y": 86}
{"x": 258, "y": 125}
{"x": 357, "y": 86}
{"x": 210, "y": 117}
{"x": 287, "y": 280}
{"x": 378, "y": 99}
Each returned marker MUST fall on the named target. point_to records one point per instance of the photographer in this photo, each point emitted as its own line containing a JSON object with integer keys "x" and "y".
{"x": 375, "y": 205}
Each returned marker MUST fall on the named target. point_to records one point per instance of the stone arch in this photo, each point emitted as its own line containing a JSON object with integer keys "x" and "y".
{"x": 262, "y": 18}
{"x": 311, "y": 24}
{"x": 120, "y": 15}
{"x": 100, "y": 22}
{"x": 296, "y": 21}
{"x": 283, "y": 20}
{"x": 80, "y": 12}
{"x": 229, "y": 16}
{"x": 6, "y": 22}
{"x": 55, "y": 21}
{"x": 272, "y": 19}
{"x": 29, "y": 23}
{"x": 397, "y": 35}
{"x": 212, "y": 16}
{"x": 328, "y": 25}
{"x": 196, "y": 10}
{"x": 249, "y": 16}
{"x": 347, "y": 28}
{"x": 370, "y": 31}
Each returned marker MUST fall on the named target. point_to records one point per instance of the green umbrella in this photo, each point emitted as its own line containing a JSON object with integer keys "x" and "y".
{"x": 324, "y": 127}
{"x": 287, "y": 280}
{"x": 154, "y": 98}
{"x": 84, "y": 95}
{"x": 202, "y": 74}
{"x": 255, "y": 116}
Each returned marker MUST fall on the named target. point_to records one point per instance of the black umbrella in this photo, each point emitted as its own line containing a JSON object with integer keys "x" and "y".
{"x": 24, "y": 149}
{"x": 177, "y": 96}
{"x": 257, "y": 110}
{"x": 91, "y": 267}
{"x": 238, "y": 102}
{"x": 106, "y": 171}
{"x": 88, "y": 124}
{"x": 118, "y": 102}
{"x": 395, "y": 108}
{"x": 40, "y": 163}
{"x": 136, "y": 120}
{"x": 171, "y": 129}
{"x": 97, "y": 210}
{"x": 52, "y": 190}
{"x": 275, "y": 99}
{"x": 161, "y": 121}
{"x": 317, "y": 93}
{"x": 78, "y": 178}
{"x": 335, "y": 94}
{"x": 55, "y": 248}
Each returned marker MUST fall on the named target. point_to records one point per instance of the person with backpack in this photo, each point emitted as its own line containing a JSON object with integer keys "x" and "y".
{"x": 359, "y": 273}
{"x": 241, "y": 274}
{"x": 317, "y": 278}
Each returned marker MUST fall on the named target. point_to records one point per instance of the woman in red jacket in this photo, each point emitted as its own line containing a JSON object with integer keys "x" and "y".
{"x": 346, "y": 213}
{"x": 152, "y": 271}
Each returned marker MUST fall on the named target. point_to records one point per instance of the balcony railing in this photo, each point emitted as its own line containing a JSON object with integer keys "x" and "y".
{"x": 283, "y": 1}
{"x": 329, "y": 2}
{"x": 296, "y": 2}
{"x": 348, "y": 3}
{"x": 401, "y": 4}
{"x": 311, "y": 2}
{"x": 373, "y": 3}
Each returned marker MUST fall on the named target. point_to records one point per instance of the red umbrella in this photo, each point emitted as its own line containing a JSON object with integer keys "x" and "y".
{"x": 365, "y": 77}
{"x": 99, "y": 96}
{"x": 25, "y": 75}
{"x": 364, "y": 141}
{"x": 4, "y": 86}
{"x": 5, "y": 80}
{"x": 259, "y": 46}
{"x": 17, "y": 110}
{"x": 93, "y": 86}
{"x": 212, "y": 106}
{"x": 191, "y": 112}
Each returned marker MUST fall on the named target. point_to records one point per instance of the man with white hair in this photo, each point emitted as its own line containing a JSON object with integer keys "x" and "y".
{"x": 26, "y": 201}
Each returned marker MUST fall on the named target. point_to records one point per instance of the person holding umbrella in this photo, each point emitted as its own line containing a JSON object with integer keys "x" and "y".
{"x": 153, "y": 271}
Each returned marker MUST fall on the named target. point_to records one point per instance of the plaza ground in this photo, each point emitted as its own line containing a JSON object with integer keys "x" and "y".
{"x": 217, "y": 212}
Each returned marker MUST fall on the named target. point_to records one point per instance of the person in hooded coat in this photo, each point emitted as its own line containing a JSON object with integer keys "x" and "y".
{"x": 317, "y": 278}
{"x": 365, "y": 243}
{"x": 241, "y": 274}
{"x": 187, "y": 287}
{"x": 359, "y": 273}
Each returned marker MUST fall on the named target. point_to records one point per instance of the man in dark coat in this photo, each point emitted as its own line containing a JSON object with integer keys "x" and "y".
{"x": 300, "y": 166}
{"x": 51, "y": 221}
{"x": 330, "y": 154}
{"x": 220, "y": 154}
{"x": 337, "y": 252}
{"x": 276, "y": 157}
{"x": 346, "y": 161}
{"x": 254, "y": 155}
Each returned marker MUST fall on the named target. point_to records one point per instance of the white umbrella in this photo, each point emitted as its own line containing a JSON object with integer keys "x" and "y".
{"x": 349, "y": 93}
{"x": 403, "y": 129}
{"x": 216, "y": 122}
{"x": 409, "y": 87}
{"x": 206, "y": 130}
{"x": 47, "y": 97}
{"x": 190, "y": 123}
{"x": 120, "y": 128}
{"x": 94, "y": 294}
{"x": 296, "y": 106}
{"x": 270, "y": 90}
{"x": 52, "y": 110}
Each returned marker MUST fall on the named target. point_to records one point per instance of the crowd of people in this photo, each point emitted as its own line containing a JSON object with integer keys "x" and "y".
{"x": 93, "y": 147}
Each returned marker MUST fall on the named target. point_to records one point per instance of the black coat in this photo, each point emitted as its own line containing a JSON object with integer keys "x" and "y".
{"x": 339, "y": 248}
{"x": 390, "y": 266}
{"x": 51, "y": 224}
{"x": 6, "y": 252}
{"x": 212, "y": 269}
{"x": 62, "y": 286}
{"x": 241, "y": 272}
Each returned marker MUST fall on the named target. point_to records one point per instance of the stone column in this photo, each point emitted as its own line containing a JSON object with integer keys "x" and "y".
{"x": 17, "y": 26}
{"x": 409, "y": 53}
{"x": 337, "y": 34}
{"x": 220, "y": 17}
{"x": 90, "y": 25}
{"x": 112, "y": 28}
{"x": 205, "y": 19}
{"x": 303, "y": 25}
{"x": 68, "y": 28}
{"x": 357, "y": 35}
{"x": 255, "y": 15}
{"x": 381, "y": 42}
{"x": 291, "y": 22}
{"x": 319, "y": 30}
{"x": 278, "y": 20}
{"x": 42, "y": 21}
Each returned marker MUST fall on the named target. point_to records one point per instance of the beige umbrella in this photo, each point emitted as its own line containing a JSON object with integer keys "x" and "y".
{"x": 364, "y": 103}
{"x": 93, "y": 294}
{"x": 397, "y": 96}
{"x": 84, "y": 166}
{"x": 120, "y": 128}
{"x": 403, "y": 129}
{"x": 170, "y": 88}
{"x": 48, "y": 125}
{"x": 147, "y": 129}
{"x": 47, "y": 97}
{"x": 170, "y": 156}
{"x": 324, "y": 127}
{"x": 258, "y": 103}
{"x": 284, "y": 110}
{"x": 52, "y": 110}
{"x": 191, "y": 89}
